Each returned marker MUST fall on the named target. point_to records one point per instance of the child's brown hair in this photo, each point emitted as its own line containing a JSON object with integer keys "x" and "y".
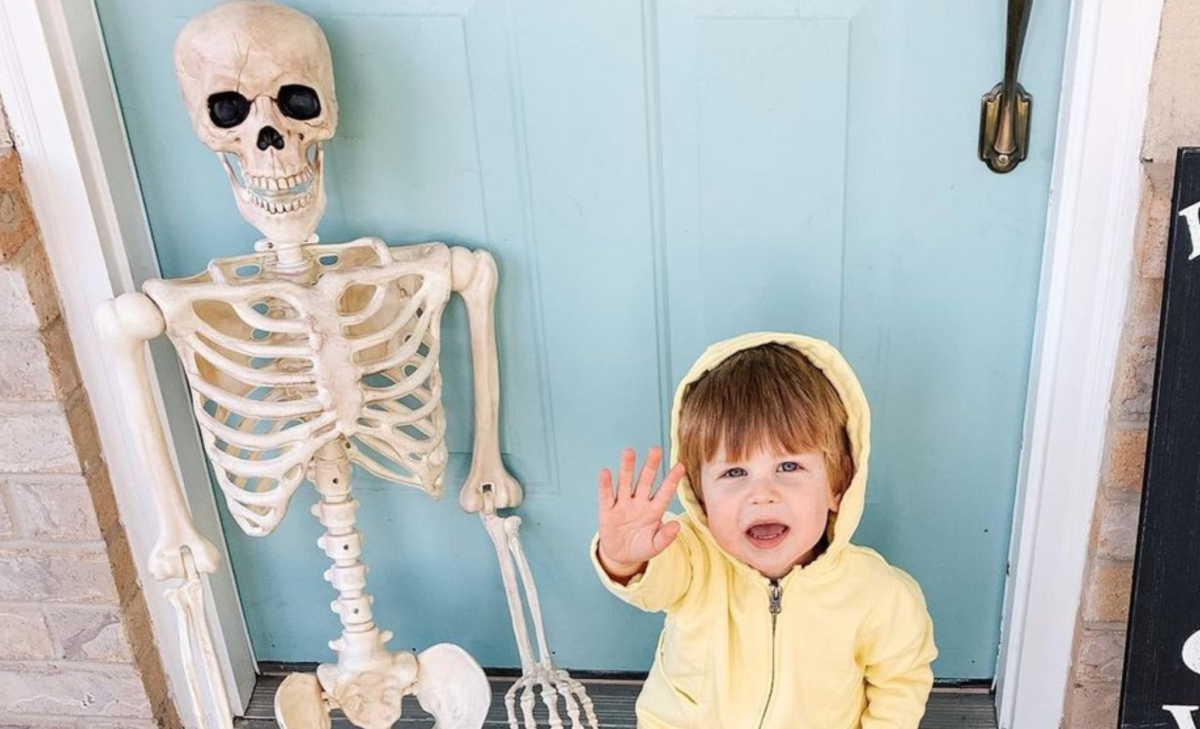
{"x": 770, "y": 396}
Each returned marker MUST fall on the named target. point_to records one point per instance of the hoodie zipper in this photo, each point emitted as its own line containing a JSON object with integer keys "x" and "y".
{"x": 776, "y": 605}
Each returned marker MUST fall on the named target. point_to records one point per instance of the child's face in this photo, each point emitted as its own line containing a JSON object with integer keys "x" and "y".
{"x": 769, "y": 509}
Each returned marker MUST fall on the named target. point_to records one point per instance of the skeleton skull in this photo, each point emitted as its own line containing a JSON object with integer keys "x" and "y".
{"x": 257, "y": 79}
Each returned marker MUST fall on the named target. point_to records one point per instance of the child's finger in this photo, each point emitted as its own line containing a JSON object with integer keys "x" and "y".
{"x": 667, "y": 489}
{"x": 606, "y": 491}
{"x": 664, "y": 536}
{"x": 645, "y": 481}
{"x": 625, "y": 475}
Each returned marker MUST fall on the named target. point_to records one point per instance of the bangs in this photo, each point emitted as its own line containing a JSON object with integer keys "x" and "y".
{"x": 769, "y": 397}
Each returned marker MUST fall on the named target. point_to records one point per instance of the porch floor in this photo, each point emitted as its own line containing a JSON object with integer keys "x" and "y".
{"x": 949, "y": 708}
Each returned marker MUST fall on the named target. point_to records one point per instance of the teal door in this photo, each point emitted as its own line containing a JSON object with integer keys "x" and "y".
{"x": 653, "y": 176}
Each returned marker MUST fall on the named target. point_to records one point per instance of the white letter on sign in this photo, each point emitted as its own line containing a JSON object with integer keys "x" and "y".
{"x": 1192, "y": 214}
{"x": 1182, "y": 715}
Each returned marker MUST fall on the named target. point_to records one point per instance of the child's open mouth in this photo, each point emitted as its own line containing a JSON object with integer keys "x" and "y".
{"x": 766, "y": 535}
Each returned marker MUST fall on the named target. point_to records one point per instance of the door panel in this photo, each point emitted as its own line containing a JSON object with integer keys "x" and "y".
{"x": 654, "y": 176}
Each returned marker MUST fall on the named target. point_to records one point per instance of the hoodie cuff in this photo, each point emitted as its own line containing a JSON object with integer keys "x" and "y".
{"x": 656, "y": 587}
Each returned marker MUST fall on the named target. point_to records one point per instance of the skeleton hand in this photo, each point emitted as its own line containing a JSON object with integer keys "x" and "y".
{"x": 554, "y": 683}
{"x": 632, "y": 531}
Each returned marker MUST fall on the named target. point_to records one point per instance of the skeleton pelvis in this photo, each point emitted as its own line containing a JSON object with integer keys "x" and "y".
{"x": 285, "y": 360}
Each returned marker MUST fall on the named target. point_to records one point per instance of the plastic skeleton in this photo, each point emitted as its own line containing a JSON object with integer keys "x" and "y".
{"x": 304, "y": 359}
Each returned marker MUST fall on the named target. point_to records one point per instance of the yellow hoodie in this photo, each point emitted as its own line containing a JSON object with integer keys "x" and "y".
{"x": 844, "y": 642}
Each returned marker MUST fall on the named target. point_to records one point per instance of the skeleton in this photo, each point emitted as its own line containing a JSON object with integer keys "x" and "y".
{"x": 304, "y": 359}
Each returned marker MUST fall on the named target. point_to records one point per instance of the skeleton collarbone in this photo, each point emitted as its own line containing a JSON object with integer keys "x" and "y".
{"x": 282, "y": 361}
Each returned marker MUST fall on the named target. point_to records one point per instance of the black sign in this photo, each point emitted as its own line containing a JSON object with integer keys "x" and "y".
{"x": 1162, "y": 657}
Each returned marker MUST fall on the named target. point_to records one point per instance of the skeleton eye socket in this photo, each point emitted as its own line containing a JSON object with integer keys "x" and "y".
{"x": 299, "y": 102}
{"x": 227, "y": 109}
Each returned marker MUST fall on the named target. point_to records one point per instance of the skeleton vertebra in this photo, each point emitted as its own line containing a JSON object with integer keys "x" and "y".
{"x": 306, "y": 358}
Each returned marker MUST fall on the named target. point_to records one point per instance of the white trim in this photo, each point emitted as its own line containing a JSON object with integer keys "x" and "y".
{"x": 1086, "y": 274}
{"x": 61, "y": 103}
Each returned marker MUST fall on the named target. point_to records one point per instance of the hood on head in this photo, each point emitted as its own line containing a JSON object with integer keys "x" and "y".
{"x": 858, "y": 428}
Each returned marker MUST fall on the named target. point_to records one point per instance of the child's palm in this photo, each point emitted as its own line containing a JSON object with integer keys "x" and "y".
{"x": 631, "y": 528}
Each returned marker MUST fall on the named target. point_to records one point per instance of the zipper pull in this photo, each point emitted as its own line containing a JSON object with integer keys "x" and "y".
{"x": 776, "y": 597}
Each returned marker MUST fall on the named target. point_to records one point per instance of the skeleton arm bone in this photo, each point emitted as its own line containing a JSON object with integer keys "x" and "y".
{"x": 126, "y": 324}
{"x": 474, "y": 278}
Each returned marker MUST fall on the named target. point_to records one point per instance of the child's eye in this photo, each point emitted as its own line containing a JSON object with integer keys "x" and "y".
{"x": 789, "y": 466}
{"x": 735, "y": 472}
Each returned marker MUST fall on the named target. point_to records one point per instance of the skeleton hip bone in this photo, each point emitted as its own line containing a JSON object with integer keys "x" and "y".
{"x": 257, "y": 79}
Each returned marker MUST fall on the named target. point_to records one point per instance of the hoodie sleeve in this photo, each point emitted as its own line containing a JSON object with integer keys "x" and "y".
{"x": 663, "y": 583}
{"x": 897, "y": 651}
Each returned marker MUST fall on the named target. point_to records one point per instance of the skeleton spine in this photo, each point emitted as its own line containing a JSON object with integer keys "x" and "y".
{"x": 342, "y": 541}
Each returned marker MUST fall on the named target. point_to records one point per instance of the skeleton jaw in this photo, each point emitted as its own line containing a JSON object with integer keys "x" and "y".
{"x": 284, "y": 208}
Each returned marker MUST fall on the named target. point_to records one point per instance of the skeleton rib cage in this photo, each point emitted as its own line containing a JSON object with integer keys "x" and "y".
{"x": 282, "y": 364}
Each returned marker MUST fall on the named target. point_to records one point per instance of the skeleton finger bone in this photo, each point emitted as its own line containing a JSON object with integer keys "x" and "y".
{"x": 550, "y": 699}
{"x": 452, "y": 687}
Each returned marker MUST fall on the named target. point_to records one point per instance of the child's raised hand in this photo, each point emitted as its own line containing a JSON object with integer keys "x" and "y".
{"x": 632, "y": 531}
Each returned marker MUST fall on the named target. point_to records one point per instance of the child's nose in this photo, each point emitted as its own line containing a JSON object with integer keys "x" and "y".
{"x": 764, "y": 491}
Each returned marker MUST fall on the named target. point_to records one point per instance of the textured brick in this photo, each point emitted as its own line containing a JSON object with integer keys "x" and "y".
{"x": 27, "y": 296}
{"x": 1126, "y": 459}
{"x": 62, "y": 576}
{"x": 25, "y": 367}
{"x": 53, "y": 510}
{"x": 1092, "y": 705}
{"x": 88, "y": 635}
{"x": 108, "y": 691}
{"x": 1155, "y": 221}
{"x": 36, "y": 439}
{"x": 17, "y": 227}
{"x": 84, "y": 435}
{"x": 1145, "y": 308}
{"x": 7, "y": 529}
{"x": 1106, "y": 594}
{"x": 24, "y": 635}
{"x": 1115, "y": 528}
{"x": 104, "y": 501}
{"x": 1101, "y": 656}
{"x": 1135, "y": 378}
{"x": 38, "y": 722}
{"x": 61, "y": 354}
{"x": 1173, "y": 112}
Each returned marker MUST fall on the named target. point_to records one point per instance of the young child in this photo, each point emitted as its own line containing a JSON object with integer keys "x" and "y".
{"x": 774, "y": 620}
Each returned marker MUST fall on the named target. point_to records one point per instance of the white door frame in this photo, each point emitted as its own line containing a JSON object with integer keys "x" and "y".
{"x": 1095, "y": 194}
{"x": 57, "y": 87}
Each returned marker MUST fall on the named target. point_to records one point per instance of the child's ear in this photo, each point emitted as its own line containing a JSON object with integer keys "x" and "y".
{"x": 835, "y": 501}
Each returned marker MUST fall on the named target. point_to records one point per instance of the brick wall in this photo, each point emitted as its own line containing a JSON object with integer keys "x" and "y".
{"x": 76, "y": 648}
{"x": 1173, "y": 120}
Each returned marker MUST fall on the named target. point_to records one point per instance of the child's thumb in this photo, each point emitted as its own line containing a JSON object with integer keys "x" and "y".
{"x": 665, "y": 535}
